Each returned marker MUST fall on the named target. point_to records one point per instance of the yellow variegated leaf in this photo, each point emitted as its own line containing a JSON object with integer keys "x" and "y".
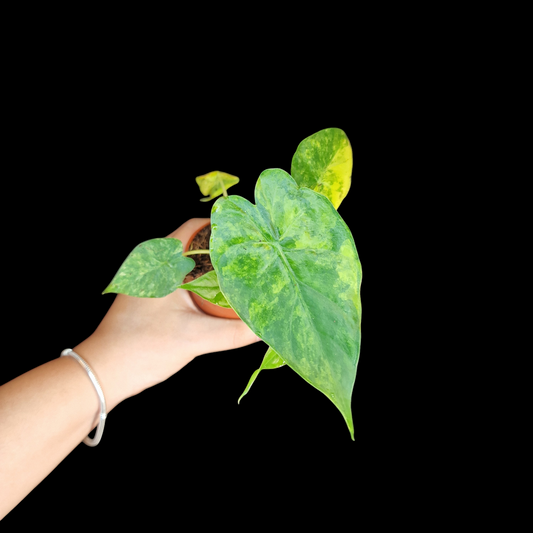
{"x": 213, "y": 184}
{"x": 323, "y": 162}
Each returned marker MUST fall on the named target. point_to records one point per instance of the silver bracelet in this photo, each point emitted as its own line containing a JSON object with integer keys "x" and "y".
{"x": 103, "y": 414}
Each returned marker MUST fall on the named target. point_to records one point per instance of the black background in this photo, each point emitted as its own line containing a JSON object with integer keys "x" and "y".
{"x": 95, "y": 166}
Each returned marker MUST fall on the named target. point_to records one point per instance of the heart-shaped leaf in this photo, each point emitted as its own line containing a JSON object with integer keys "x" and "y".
{"x": 153, "y": 269}
{"x": 270, "y": 361}
{"x": 207, "y": 287}
{"x": 289, "y": 268}
{"x": 214, "y": 183}
{"x": 323, "y": 162}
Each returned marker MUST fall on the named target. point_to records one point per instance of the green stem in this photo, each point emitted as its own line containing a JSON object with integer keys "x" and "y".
{"x": 193, "y": 252}
{"x": 223, "y": 189}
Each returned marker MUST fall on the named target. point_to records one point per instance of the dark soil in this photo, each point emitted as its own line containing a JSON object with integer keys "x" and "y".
{"x": 203, "y": 261}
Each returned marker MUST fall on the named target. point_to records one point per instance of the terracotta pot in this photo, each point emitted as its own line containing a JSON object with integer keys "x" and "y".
{"x": 204, "y": 305}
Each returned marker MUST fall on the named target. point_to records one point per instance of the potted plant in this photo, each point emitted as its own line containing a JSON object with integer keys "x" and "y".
{"x": 287, "y": 266}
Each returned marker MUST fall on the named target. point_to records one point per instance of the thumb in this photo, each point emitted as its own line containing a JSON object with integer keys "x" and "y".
{"x": 243, "y": 335}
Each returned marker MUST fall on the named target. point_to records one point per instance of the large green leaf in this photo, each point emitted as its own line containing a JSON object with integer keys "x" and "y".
{"x": 323, "y": 162}
{"x": 207, "y": 287}
{"x": 153, "y": 269}
{"x": 289, "y": 268}
{"x": 270, "y": 361}
{"x": 211, "y": 184}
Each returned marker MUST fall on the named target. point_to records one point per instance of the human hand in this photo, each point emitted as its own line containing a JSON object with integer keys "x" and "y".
{"x": 143, "y": 341}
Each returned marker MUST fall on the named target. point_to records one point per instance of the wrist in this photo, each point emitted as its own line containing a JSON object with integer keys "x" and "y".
{"x": 91, "y": 441}
{"x": 100, "y": 356}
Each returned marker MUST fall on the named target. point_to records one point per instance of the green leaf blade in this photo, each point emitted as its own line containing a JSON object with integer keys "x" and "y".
{"x": 289, "y": 267}
{"x": 323, "y": 162}
{"x": 153, "y": 269}
{"x": 207, "y": 287}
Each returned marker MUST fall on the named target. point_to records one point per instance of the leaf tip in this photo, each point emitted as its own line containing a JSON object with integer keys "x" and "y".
{"x": 349, "y": 423}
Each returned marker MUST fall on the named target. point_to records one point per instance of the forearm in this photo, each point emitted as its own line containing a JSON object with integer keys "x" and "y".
{"x": 47, "y": 412}
{"x": 44, "y": 414}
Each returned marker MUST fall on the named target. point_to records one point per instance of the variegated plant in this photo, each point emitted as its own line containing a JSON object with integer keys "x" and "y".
{"x": 287, "y": 265}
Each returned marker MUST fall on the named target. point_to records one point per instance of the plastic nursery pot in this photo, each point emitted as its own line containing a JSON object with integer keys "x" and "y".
{"x": 204, "y": 305}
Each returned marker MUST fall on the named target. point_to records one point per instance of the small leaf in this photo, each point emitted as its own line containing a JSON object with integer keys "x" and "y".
{"x": 207, "y": 287}
{"x": 220, "y": 300}
{"x": 270, "y": 361}
{"x": 153, "y": 269}
{"x": 211, "y": 184}
{"x": 323, "y": 162}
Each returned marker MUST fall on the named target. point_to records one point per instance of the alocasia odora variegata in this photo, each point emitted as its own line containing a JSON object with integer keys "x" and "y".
{"x": 287, "y": 265}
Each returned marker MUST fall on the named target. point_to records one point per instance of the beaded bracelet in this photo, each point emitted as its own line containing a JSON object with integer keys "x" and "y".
{"x": 103, "y": 414}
